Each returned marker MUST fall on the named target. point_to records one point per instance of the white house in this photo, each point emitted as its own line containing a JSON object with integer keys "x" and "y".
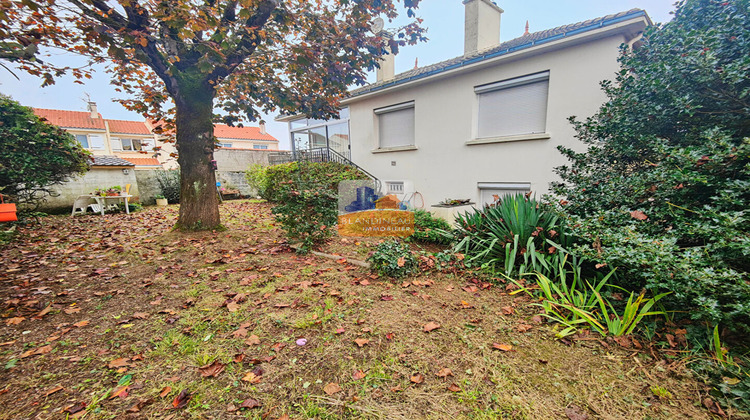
{"x": 487, "y": 122}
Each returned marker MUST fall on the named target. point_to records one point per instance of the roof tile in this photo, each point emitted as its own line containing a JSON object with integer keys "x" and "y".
{"x": 223, "y": 131}
{"x": 109, "y": 161}
{"x": 128, "y": 127}
{"x": 70, "y": 119}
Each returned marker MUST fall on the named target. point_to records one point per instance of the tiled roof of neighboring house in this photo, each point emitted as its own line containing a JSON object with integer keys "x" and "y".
{"x": 143, "y": 161}
{"x": 70, "y": 119}
{"x": 128, "y": 127}
{"x": 520, "y": 43}
{"x": 224, "y": 131}
{"x": 109, "y": 161}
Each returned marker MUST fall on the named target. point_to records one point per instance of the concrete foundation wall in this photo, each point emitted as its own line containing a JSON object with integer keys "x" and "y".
{"x": 65, "y": 194}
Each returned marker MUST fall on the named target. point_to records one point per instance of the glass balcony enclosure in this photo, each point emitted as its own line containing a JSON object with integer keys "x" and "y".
{"x": 308, "y": 134}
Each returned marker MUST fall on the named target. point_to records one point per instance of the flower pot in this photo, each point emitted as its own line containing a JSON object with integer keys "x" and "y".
{"x": 161, "y": 202}
{"x": 112, "y": 194}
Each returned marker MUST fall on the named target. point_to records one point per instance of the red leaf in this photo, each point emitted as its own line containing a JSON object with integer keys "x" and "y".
{"x": 181, "y": 400}
{"x": 250, "y": 403}
{"x": 638, "y": 215}
{"x": 212, "y": 370}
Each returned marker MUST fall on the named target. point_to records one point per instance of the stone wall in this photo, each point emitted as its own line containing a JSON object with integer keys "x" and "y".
{"x": 65, "y": 194}
{"x": 148, "y": 185}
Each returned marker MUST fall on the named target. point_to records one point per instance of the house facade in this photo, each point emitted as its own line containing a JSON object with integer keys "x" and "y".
{"x": 487, "y": 123}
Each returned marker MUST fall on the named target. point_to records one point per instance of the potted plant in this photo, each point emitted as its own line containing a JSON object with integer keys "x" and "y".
{"x": 114, "y": 191}
{"x": 99, "y": 192}
{"x": 160, "y": 200}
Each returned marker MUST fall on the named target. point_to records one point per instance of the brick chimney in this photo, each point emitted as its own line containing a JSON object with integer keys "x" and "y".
{"x": 94, "y": 111}
{"x": 481, "y": 25}
{"x": 262, "y": 127}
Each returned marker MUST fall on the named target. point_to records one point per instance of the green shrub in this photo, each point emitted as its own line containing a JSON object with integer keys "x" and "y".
{"x": 511, "y": 236}
{"x": 257, "y": 179}
{"x": 306, "y": 194}
{"x": 429, "y": 229}
{"x": 663, "y": 191}
{"x": 169, "y": 182}
{"x": 393, "y": 259}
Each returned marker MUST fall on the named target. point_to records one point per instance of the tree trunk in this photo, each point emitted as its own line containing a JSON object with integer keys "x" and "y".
{"x": 199, "y": 203}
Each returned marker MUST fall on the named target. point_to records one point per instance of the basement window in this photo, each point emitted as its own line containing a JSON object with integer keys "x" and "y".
{"x": 490, "y": 192}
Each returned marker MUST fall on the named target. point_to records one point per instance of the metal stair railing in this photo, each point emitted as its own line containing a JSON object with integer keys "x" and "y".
{"x": 319, "y": 154}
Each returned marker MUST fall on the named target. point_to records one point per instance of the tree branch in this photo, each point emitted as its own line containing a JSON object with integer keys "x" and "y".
{"x": 248, "y": 43}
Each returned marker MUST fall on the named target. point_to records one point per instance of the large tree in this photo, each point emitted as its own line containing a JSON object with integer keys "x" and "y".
{"x": 35, "y": 155}
{"x": 246, "y": 56}
{"x": 663, "y": 191}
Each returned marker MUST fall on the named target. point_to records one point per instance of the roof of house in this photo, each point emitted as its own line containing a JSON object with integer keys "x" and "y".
{"x": 109, "y": 161}
{"x": 128, "y": 127}
{"x": 517, "y": 44}
{"x": 224, "y": 131}
{"x": 70, "y": 119}
{"x": 143, "y": 161}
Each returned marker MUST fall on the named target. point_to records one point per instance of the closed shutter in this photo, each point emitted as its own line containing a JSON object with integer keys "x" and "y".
{"x": 396, "y": 126}
{"x": 516, "y": 106}
{"x": 96, "y": 141}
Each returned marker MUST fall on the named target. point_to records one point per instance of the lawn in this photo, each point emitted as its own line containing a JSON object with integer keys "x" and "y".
{"x": 119, "y": 317}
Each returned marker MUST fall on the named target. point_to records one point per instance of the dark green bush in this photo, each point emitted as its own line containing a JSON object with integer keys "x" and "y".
{"x": 169, "y": 182}
{"x": 663, "y": 191}
{"x": 306, "y": 194}
{"x": 393, "y": 258}
{"x": 429, "y": 229}
{"x": 35, "y": 156}
{"x": 504, "y": 236}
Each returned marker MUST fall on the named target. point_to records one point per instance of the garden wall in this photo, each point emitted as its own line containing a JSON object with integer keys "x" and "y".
{"x": 64, "y": 195}
{"x": 231, "y": 164}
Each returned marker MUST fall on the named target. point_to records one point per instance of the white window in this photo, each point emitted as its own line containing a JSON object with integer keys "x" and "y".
{"x": 490, "y": 192}
{"x": 147, "y": 144}
{"x": 396, "y": 125}
{"x": 513, "y": 107}
{"x": 260, "y": 146}
{"x": 116, "y": 144}
{"x": 96, "y": 141}
{"x": 225, "y": 144}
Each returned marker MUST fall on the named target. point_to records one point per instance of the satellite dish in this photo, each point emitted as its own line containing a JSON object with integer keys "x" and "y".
{"x": 377, "y": 25}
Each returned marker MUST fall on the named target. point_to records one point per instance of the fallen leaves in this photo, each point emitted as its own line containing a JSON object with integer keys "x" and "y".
{"x": 251, "y": 403}
{"x": 253, "y": 340}
{"x": 417, "y": 378}
{"x": 454, "y": 388}
{"x": 15, "y": 320}
{"x": 212, "y": 370}
{"x": 251, "y": 378}
{"x": 638, "y": 215}
{"x": 430, "y": 326}
{"x": 120, "y": 391}
{"x": 181, "y": 400}
{"x": 502, "y": 347}
{"x": 118, "y": 363}
{"x": 53, "y": 390}
{"x": 331, "y": 388}
{"x": 165, "y": 391}
{"x": 81, "y": 324}
{"x": 444, "y": 372}
{"x": 361, "y": 341}
{"x": 37, "y": 351}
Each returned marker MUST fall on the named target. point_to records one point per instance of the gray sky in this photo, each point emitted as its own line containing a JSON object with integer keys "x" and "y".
{"x": 443, "y": 18}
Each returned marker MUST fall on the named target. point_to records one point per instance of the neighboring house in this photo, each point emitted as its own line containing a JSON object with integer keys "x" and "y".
{"x": 253, "y": 138}
{"x": 488, "y": 122}
{"x": 128, "y": 140}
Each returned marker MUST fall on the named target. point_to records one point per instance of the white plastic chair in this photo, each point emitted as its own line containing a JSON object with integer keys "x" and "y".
{"x": 81, "y": 204}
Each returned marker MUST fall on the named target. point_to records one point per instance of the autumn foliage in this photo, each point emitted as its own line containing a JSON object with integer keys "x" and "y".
{"x": 179, "y": 60}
